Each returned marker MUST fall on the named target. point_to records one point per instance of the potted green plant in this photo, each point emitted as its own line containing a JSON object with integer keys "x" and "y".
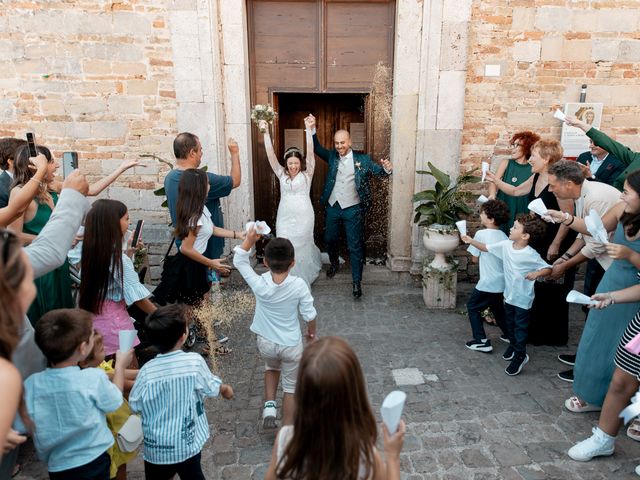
{"x": 438, "y": 209}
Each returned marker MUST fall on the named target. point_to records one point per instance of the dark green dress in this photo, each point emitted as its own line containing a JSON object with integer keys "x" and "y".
{"x": 54, "y": 288}
{"x": 515, "y": 174}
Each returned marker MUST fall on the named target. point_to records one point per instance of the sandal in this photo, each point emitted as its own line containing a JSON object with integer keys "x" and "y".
{"x": 574, "y": 404}
{"x": 633, "y": 430}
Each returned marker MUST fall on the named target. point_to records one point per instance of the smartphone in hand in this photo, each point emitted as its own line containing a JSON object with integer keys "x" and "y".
{"x": 137, "y": 234}
{"x": 31, "y": 142}
{"x": 69, "y": 163}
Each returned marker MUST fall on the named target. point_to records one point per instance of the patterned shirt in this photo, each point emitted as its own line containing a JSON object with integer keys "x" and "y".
{"x": 169, "y": 392}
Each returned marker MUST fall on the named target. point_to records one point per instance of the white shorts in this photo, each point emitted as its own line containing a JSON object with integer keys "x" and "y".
{"x": 283, "y": 359}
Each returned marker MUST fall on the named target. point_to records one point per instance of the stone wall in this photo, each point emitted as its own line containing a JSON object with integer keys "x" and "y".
{"x": 546, "y": 50}
{"x": 95, "y": 77}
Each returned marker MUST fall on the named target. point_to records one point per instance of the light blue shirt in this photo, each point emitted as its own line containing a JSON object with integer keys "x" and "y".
{"x": 277, "y": 305}
{"x": 169, "y": 392}
{"x": 518, "y": 291}
{"x": 595, "y": 163}
{"x": 68, "y": 407}
{"x": 491, "y": 270}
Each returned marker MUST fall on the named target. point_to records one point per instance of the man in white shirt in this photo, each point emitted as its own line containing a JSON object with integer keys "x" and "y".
{"x": 567, "y": 181}
{"x": 346, "y": 196}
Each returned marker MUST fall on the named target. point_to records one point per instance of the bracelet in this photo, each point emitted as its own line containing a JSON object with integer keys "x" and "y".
{"x": 613, "y": 300}
{"x": 40, "y": 184}
{"x": 234, "y": 234}
{"x": 568, "y": 255}
{"x": 568, "y": 224}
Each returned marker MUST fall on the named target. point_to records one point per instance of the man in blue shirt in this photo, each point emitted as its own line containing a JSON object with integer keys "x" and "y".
{"x": 604, "y": 166}
{"x": 188, "y": 152}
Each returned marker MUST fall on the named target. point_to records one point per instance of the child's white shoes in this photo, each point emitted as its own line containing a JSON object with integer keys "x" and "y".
{"x": 599, "y": 444}
{"x": 269, "y": 414}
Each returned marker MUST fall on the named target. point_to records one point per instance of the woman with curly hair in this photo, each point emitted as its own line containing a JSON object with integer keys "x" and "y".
{"x": 514, "y": 171}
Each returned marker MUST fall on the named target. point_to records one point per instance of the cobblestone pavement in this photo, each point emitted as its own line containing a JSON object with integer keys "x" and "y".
{"x": 468, "y": 420}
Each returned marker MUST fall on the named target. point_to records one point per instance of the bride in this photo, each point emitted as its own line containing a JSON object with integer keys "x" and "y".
{"x": 295, "y": 218}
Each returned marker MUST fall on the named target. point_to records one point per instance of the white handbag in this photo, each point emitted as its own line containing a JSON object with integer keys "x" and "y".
{"x": 130, "y": 434}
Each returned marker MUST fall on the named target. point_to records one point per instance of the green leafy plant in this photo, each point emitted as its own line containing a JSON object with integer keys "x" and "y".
{"x": 160, "y": 192}
{"x": 445, "y": 203}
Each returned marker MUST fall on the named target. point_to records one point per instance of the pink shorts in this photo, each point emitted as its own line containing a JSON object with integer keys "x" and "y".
{"x": 114, "y": 317}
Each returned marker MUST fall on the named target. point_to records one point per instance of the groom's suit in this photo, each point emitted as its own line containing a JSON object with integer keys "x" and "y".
{"x": 346, "y": 196}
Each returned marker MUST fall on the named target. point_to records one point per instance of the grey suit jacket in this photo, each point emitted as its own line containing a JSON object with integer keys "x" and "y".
{"x": 47, "y": 253}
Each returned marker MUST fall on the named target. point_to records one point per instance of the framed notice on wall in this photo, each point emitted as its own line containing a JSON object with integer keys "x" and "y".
{"x": 356, "y": 130}
{"x": 574, "y": 141}
{"x": 294, "y": 137}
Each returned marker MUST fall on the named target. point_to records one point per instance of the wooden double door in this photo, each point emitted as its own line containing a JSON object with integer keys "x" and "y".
{"x": 320, "y": 57}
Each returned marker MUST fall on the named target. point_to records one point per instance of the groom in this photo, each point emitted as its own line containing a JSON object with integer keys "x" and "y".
{"x": 347, "y": 196}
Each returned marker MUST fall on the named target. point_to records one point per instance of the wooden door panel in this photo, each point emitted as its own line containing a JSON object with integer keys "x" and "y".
{"x": 316, "y": 48}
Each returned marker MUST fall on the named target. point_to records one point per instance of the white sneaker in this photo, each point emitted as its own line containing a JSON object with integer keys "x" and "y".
{"x": 269, "y": 414}
{"x": 597, "y": 445}
{"x": 638, "y": 470}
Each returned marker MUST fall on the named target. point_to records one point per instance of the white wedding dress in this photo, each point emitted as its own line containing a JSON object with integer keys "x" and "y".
{"x": 296, "y": 218}
{"x": 295, "y": 221}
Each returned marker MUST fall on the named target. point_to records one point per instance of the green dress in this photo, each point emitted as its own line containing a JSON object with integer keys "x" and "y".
{"x": 54, "y": 288}
{"x": 515, "y": 174}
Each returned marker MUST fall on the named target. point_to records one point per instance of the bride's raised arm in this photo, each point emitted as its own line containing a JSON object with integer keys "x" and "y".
{"x": 311, "y": 158}
{"x": 271, "y": 153}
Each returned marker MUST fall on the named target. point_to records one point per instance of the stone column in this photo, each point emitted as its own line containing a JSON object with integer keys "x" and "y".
{"x": 403, "y": 130}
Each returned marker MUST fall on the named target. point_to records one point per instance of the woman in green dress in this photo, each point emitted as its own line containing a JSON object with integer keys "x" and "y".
{"x": 54, "y": 288}
{"x": 515, "y": 171}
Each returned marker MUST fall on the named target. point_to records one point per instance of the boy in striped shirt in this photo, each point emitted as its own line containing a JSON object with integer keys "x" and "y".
{"x": 169, "y": 392}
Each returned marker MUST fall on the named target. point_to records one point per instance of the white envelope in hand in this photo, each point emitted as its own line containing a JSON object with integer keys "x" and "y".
{"x": 126, "y": 339}
{"x": 595, "y": 227}
{"x": 559, "y": 115}
{"x": 462, "y": 226}
{"x": 485, "y": 169}
{"x": 482, "y": 199}
{"x": 576, "y": 297}
{"x": 538, "y": 206}
{"x": 261, "y": 227}
{"x": 391, "y": 410}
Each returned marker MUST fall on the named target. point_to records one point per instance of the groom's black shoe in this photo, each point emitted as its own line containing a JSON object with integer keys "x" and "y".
{"x": 333, "y": 268}
{"x": 357, "y": 290}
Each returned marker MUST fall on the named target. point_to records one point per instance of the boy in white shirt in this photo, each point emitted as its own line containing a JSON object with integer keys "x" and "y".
{"x": 279, "y": 298}
{"x": 522, "y": 265}
{"x": 489, "y": 289}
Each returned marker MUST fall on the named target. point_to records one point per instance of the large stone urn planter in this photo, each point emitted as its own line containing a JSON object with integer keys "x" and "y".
{"x": 440, "y": 275}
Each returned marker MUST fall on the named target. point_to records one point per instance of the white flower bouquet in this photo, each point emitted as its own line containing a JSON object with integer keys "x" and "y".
{"x": 262, "y": 112}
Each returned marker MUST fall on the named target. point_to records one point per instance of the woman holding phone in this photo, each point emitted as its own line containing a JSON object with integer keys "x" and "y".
{"x": 54, "y": 289}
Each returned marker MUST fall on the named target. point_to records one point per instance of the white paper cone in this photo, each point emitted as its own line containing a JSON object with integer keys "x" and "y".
{"x": 485, "y": 169}
{"x": 538, "y": 206}
{"x": 126, "y": 339}
{"x": 595, "y": 227}
{"x": 482, "y": 199}
{"x": 559, "y": 115}
{"x": 576, "y": 297}
{"x": 462, "y": 226}
{"x": 391, "y": 410}
{"x": 261, "y": 227}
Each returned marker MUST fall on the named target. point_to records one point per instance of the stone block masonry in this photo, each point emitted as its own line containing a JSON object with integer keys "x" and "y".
{"x": 94, "y": 77}
{"x": 547, "y": 50}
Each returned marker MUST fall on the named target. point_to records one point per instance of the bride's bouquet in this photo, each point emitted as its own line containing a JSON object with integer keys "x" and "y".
{"x": 263, "y": 112}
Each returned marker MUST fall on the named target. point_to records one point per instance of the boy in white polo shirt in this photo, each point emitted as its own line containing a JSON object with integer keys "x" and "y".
{"x": 279, "y": 298}
{"x": 489, "y": 289}
{"x": 522, "y": 265}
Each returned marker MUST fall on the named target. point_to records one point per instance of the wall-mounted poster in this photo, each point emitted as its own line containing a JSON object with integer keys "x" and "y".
{"x": 294, "y": 137}
{"x": 573, "y": 140}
